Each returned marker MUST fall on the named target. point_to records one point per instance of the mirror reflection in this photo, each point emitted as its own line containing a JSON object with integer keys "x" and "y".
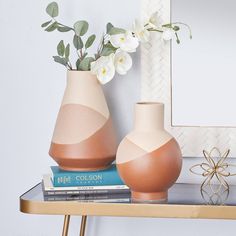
{"x": 203, "y": 69}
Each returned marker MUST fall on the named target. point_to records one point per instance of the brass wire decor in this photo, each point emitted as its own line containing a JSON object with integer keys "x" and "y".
{"x": 214, "y": 189}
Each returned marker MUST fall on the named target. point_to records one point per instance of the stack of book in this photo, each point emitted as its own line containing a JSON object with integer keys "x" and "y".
{"x": 97, "y": 186}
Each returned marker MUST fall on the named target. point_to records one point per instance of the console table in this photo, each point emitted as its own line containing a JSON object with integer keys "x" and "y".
{"x": 184, "y": 201}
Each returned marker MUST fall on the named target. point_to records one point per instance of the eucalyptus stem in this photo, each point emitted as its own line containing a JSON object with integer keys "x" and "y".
{"x": 67, "y": 66}
{"x": 70, "y": 65}
{"x": 107, "y": 46}
{"x": 101, "y": 46}
{"x": 77, "y": 52}
{"x": 65, "y": 26}
{"x": 81, "y": 53}
{"x": 62, "y": 24}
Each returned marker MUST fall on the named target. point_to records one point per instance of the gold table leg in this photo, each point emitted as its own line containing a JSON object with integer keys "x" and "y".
{"x": 66, "y": 225}
{"x": 83, "y": 225}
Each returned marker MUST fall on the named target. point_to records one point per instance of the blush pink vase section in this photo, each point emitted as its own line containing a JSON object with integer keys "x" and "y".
{"x": 76, "y": 123}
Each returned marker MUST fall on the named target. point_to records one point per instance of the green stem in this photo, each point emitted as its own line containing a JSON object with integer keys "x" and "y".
{"x": 66, "y": 26}
{"x": 155, "y": 30}
{"x": 62, "y": 24}
{"x": 177, "y": 38}
{"x": 100, "y": 47}
{"x": 81, "y": 53}
{"x": 169, "y": 25}
{"x": 96, "y": 56}
{"x": 186, "y": 25}
{"x": 69, "y": 64}
{"x": 78, "y": 54}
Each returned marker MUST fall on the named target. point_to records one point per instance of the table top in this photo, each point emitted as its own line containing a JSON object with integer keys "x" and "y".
{"x": 184, "y": 201}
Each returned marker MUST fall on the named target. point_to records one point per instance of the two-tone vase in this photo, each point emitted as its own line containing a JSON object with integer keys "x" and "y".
{"x": 149, "y": 159}
{"x": 83, "y": 138}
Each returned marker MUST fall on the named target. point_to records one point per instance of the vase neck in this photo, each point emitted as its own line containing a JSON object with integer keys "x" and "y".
{"x": 149, "y": 117}
{"x": 81, "y": 78}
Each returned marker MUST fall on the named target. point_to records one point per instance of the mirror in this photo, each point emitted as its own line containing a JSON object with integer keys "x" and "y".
{"x": 203, "y": 69}
{"x": 196, "y": 79}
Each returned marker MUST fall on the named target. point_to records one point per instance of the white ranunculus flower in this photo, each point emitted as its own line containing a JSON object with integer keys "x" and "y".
{"x": 168, "y": 34}
{"x": 141, "y": 31}
{"x": 123, "y": 62}
{"x": 104, "y": 68}
{"x": 126, "y": 42}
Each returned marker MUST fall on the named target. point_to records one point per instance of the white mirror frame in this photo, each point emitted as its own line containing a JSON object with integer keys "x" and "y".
{"x": 156, "y": 86}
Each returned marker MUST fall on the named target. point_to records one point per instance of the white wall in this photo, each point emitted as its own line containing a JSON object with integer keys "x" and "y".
{"x": 31, "y": 88}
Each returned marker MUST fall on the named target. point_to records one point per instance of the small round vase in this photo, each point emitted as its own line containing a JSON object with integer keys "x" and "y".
{"x": 83, "y": 139}
{"x": 149, "y": 159}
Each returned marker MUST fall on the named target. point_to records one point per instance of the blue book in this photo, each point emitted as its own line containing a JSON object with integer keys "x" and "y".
{"x": 62, "y": 178}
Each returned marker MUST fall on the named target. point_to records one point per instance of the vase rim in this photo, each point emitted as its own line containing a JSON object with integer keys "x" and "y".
{"x": 75, "y": 74}
{"x": 79, "y": 71}
{"x": 150, "y": 103}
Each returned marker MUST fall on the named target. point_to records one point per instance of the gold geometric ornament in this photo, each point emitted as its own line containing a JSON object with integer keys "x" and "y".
{"x": 214, "y": 189}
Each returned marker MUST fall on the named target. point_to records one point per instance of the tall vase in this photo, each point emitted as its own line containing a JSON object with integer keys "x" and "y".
{"x": 83, "y": 137}
{"x": 149, "y": 159}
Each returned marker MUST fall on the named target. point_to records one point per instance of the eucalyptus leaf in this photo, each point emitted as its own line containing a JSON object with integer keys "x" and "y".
{"x": 78, "y": 43}
{"x": 51, "y": 27}
{"x": 64, "y": 28}
{"x": 109, "y": 27}
{"x": 107, "y": 50}
{"x": 90, "y": 41}
{"x": 115, "y": 30}
{"x": 61, "y": 48}
{"x": 85, "y": 63}
{"x": 167, "y": 25}
{"x": 81, "y": 44}
{"x": 52, "y": 9}
{"x": 81, "y": 27}
{"x": 67, "y": 51}
{"x": 77, "y": 64}
{"x": 176, "y": 28}
{"x": 46, "y": 24}
{"x": 84, "y": 55}
{"x": 60, "y": 60}
{"x": 75, "y": 42}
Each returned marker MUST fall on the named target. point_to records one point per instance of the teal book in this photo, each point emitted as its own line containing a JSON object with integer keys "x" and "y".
{"x": 61, "y": 178}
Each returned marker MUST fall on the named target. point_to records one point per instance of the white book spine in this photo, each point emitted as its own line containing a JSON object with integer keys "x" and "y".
{"x": 48, "y": 186}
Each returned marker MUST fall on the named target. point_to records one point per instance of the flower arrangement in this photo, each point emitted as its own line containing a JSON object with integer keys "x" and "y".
{"x": 116, "y": 45}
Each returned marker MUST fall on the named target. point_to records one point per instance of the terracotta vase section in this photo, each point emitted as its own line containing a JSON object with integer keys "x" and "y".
{"x": 149, "y": 159}
{"x": 84, "y": 137}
